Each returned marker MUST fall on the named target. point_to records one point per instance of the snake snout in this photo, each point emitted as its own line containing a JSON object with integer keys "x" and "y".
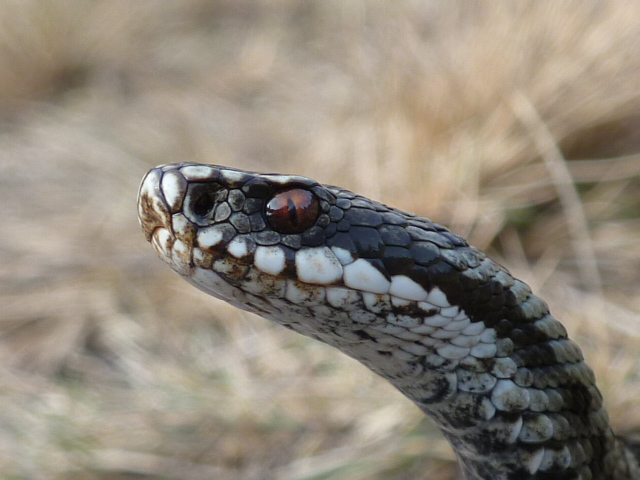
{"x": 161, "y": 202}
{"x": 153, "y": 211}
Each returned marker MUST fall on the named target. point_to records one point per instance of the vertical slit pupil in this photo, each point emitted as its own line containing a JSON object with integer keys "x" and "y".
{"x": 293, "y": 213}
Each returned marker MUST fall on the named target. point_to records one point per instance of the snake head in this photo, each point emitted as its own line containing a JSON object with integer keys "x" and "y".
{"x": 212, "y": 221}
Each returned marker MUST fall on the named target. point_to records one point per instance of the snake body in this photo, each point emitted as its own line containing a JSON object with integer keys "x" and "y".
{"x": 469, "y": 344}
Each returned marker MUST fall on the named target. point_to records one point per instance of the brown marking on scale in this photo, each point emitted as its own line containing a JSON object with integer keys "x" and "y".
{"x": 216, "y": 251}
{"x": 271, "y": 286}
{"x": 187, "y": 232}
{"x": 153, "y": 214}
{"x": 309, "y": 293}
{"x": 158, "y": 245}
{"x": 231, "y": 270}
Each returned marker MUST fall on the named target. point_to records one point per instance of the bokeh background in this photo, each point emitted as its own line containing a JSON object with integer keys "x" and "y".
{"x": 516, "y": 124}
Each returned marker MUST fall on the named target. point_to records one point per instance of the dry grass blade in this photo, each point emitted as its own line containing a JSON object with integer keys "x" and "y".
{"x": 567, "y": 193}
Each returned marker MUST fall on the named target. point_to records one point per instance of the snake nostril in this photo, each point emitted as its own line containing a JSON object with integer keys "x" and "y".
{"x": 203, "y": 204}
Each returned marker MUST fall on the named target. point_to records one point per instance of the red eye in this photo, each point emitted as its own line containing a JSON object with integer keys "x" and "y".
{"x": 292, "y": 211}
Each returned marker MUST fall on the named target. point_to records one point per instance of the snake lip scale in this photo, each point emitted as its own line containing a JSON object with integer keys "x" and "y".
{"x": 452, "y": 330}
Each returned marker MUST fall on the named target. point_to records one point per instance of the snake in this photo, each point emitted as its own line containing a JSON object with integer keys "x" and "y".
{"x": 451, "y": 329}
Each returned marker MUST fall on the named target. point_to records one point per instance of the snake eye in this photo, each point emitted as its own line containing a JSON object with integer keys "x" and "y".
{"x": 292, "y": 211}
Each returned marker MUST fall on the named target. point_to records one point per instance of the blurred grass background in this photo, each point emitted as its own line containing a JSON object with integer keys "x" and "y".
{"x": 516, "y": 124}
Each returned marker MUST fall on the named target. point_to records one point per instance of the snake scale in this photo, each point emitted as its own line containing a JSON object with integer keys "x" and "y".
{"x": 469, "y": 344}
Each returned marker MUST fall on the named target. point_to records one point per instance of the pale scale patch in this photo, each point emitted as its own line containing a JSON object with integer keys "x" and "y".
{"x": 325, "y": 312}
{"x": 400, "y": 302}
{"x": 432, "y": 342}
{"x": 174, "y": 187}
{"x": 285, "y": 179}
{"x": 376, "y": 303}
{"x": 210, "y": 236}
{"x": 303, "y": 294}
{"x": 407, "y": 321}
{"x": 436, "y": 320}
{"x": 476, "y": 382}
{"x": 403, "y": 287}
{"x": 488, "y": 336}
{"x": 460, "y": 315}
{"x": 388, "y": 328}
{"x": 509, "y": 397}
{"x": 423, "y": 329}
{"x": 416, "y": 348}
{"x": 197, "y": 172}
{"x": 202, "y": 259}
{"x": 438, "y": 298}
{"x": 452, "y": 312}
{"x": 238, "y": 247}
{"x": 232, "y": 175}
{"x": 457, "y": 324}
{"x": 553, "y": 458}
{"x": 475, "y": 328}
{"x": 318, "y": 266}
{"x": 361, "y": 275}
{"x": 148, "y": 190}
{"x": 148, "y": 184}
{"x": 210, "y": 282}
{"x": 230, "y": 268}
{"x": 181, "y": 225}
{"x": 343, "y": 298}
{"x": 344, "y": 256}
{"x": 484, "y": 350}
{"x": 503, "y": 367}
{"x": 180, "y": 257}
{"x": 466, "y": 341}
{"x": 223, "y": 211}
{"x": 514, "y": 429}
{"x": 535, "y": 460}
{"x": 161, "y": 241}
{"x": 452, "y": 352}
{"x": 408, "y": 336}
{"x": 270, "y": 260}
{"x": 539, "y": 400}
{"x": 488, "y": 411}
{"x": 445, "y": 334}
{"x": 427, "y": 308}
{"x": 536, "y": 429}
{"x": 547, "y": 460}
{"x": 264, "y": 285}
{"x": 362, "y": 316}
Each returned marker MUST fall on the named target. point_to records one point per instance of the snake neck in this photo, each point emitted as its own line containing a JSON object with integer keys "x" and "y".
{"x": 525, "y": 405}
{"x": 504, "y": 424}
